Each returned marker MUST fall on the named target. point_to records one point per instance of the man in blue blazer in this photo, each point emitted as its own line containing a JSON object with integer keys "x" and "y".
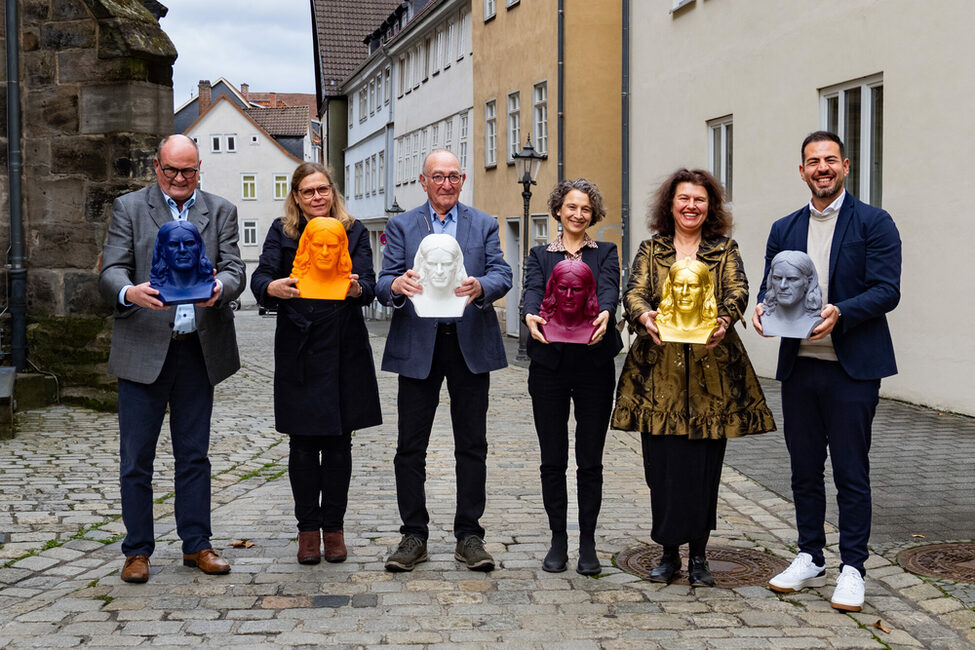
{"x": 169, "y": 356}
{"x": 425, "y": 351}
{"x": 831, "y": 381}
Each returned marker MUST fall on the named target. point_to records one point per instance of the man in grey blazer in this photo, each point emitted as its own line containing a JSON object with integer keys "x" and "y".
{"x": 425, "y": 351}
{"x": 169, "y": 355}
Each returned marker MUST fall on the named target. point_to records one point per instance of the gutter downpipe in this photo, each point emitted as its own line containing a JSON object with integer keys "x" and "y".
{"x": 561, "y": 94}
{"x": 17, "y": 272}
{"x": 625, "y": 148}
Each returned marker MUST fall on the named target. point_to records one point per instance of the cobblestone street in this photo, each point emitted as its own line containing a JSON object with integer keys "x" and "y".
{"x": 60, "y": 532}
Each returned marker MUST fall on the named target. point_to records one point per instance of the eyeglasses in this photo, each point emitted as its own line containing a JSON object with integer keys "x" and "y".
{"x": 438, "y": 179}
{"x": 187, "y": 172}
{"x": 310, "y": 192}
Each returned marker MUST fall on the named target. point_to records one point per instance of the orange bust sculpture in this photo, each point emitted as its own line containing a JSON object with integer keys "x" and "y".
{"x": 322, "y": 263}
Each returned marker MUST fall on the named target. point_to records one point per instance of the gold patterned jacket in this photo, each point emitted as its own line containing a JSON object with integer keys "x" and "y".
{"x": 683, "y": 389}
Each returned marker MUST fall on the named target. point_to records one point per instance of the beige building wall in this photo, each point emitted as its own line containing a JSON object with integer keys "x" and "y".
{"x": 764, "y": 62}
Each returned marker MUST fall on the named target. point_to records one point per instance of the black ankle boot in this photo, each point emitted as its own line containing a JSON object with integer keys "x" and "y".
{"x": 588, "y": 562}
{"x": 558, "y": 554}
{"x": 699, "y": 572}
{"x": 667, "y": 569}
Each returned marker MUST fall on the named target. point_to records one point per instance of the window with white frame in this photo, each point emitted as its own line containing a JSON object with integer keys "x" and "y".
{"x": 449, "y": 44}
{"x": 540, "y": 115}
{"x": 491, "y": 133}
{"x": 428, "y": 58}
{"x": 215, "y": 144}
{"x": 381, "y": 171}
{"x": 417, "y": 67}
{"x": 358, "y": 180}
{"x": 417, "y": 161}
{"x": 855, "y": 112}
{"x": 348, "y": 179}
{"x": 490, "y": 9}
{"x": 424, "y": 141}
{"x": 401, "y": 77}
{"x": 248, "y": 187}
{"x": 255, "y": 139}
{"x": 539, "y": 229}
{"x": 367, "y": 186}
{"x": 720, "y": 150}
{"x": 231, "y": 140}
{"x": 398, "y": 168}
{"x": 462, "y": 144}
{"x": 250, "y": 233}
{"x": 363, "y": 104}
{"x": 514, "y": 124}
{"x": 463, "y": 28}
{"x": 372, "y": 97}
{"x": 351, "y": 112}
{"x": 409, "y": 71}
{"x": 388, "y": 83}
{"x": 434, "y": 136}
{"x": 439, "y": 52}
{"x": 280, "y": 187}
{"x": 448, "y": 133}
{"x": 512, "y": 3}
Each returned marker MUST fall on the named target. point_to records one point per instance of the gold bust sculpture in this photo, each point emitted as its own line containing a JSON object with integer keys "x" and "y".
{"x": 322, "y": 263}
{"x": 688, "y": 309}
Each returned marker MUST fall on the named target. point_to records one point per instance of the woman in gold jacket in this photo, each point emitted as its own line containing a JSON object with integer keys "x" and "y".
{"x": 687, "y": 399}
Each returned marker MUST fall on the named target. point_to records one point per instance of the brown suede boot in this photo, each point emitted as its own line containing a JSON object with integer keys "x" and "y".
{"x": 335, "y": 550}
{"x": 309, "y": 547}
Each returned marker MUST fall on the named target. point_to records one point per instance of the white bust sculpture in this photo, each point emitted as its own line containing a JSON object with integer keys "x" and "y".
{"x": 440, "y": 263}
{"x": 793, "y": 300}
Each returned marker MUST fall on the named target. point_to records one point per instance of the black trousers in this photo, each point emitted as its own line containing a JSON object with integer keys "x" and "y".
{"x": 417, "y": 403}
{"x": 825, "y": 408}
{"x": 590, "y": 389}
{"x": 320, "y": 469}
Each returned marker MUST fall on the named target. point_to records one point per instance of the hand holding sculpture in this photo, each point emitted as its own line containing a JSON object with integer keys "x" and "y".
{"x": 440, "y": 264}
{"x": 181, "y": 272}
{"x": 688, "y": 309}
{"x": 793, "y": 300}
{"x": 570, "y": 304}
{"x": 323, "y": 264}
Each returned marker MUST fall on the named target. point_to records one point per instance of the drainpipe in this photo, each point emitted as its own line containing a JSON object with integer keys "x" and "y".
{"x": 16, "y": 270}
{"x": 561, "y": 93}
{"x": 625, "y": 150}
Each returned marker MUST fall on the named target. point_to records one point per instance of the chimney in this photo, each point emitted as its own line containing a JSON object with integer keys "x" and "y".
{"x": 243, "y": 90}
{"x": 204, "y": 95}
{"x": 274, "y": 100}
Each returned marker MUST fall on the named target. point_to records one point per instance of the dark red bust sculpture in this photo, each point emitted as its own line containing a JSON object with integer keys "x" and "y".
{"x": 570, "y": 304}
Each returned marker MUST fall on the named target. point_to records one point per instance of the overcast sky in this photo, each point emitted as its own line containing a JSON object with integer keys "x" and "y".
{"x": 264, "y": 43}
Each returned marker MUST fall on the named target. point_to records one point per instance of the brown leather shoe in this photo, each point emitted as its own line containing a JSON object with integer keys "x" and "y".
{"x": 335, "y": 550}
{"x": 309, "y": 546}
{"x": 136, "y": 568}
{"x": 207, "y": 561}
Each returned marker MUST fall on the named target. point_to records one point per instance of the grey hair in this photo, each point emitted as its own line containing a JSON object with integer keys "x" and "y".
{"x": 804, "y": 264}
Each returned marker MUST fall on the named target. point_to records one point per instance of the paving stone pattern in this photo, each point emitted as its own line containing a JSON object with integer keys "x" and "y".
{"x": 59, "y": 564}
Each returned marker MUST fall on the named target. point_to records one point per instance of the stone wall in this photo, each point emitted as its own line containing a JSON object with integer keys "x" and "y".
{"x": 96, "y": 97}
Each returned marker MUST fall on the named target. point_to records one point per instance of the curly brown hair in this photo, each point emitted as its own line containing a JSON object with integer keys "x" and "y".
{"x": 590, "y": 189}
{"x": 660, "y": 219}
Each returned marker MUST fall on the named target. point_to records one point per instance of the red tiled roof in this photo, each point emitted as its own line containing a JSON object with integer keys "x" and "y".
{"x": 281, "y": 121}
{"x": 284, "y": 99}
{"x": 341, "y": 27}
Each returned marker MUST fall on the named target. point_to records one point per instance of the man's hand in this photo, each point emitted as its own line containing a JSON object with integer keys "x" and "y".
{"x": 830, "y": 315}
{"x": 718, "y": 335}
{"x": 217, "y": 290}
{"x": 757, "y": 318}
{"x": 407, "y": 284}
{"x": 283, "y": 288}
{"x": 471, "y": 288}
{"x": 649, "y": 320}
{"x": 601, "y": 321}
{"x": 144, "y": 296}
{"x": 533, "y": 322}
{"x": 355, "y": 289}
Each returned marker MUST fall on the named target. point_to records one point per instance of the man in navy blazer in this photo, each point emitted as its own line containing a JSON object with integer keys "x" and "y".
{"x": 425, "y": 351}
{"x": 831, "y": 381}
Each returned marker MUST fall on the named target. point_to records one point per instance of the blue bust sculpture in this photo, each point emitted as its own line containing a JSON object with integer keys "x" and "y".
{"x": 181, "y": 272}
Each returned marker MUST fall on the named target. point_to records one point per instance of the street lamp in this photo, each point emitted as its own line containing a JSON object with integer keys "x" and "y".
{"x": 528, "y": 161}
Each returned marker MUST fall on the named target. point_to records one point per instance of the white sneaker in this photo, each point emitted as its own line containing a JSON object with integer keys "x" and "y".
{"x": 801, "y": 573}
{"x": 848, "y": 594}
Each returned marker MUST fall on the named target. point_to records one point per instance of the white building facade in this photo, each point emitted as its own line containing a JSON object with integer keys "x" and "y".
{"x": 243, "y": 164}
{"x": 735, "y": 87}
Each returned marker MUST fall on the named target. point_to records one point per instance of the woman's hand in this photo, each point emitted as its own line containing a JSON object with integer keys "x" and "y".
{"x": 533, "y": 321}
{"x": 723, "y": 323}
{"x": 649, "y": 320}
{"x": 601, "y": 321}
{"x": 283, "y": 288}
{"x": 355, "y": 289}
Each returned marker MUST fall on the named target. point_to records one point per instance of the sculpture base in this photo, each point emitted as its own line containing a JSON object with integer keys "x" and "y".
{"x": 700, "y": 335}
{"x": 799, "y": 328}
{"x": 185, "y": 296}
{"x": 439, "y": 307}
{"x": 558, "y": 334}
{"x": 324, "y": 290}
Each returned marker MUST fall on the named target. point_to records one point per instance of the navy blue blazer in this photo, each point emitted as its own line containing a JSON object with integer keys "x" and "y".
{"x": 864, "y": 283}
{"x": 409, "y": 345}
{"x": 605, "y": 264}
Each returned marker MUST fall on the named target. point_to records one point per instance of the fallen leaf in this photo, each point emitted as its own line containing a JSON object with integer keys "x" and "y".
{"x": 241, "y": 543}
{"x": 880, "y": 626}
{"x": 918, "y": 536}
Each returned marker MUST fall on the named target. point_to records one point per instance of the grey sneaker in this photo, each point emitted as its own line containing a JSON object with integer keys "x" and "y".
{"x": 411, "y": 551}
{"x": 470, "y": 551}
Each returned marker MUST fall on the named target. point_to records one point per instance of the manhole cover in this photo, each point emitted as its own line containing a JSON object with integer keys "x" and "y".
{"x": 731, "y": 567}
{"x": 952, "y": 561}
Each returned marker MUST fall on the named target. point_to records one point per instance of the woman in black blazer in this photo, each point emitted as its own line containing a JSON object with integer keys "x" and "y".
{"x": 564, "y": 372}
{"x": 324, "y": 377}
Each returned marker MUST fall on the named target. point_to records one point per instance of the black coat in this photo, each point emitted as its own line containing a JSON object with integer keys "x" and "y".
{"x": 604, "y": 262}
{"x": 324, "y": 376}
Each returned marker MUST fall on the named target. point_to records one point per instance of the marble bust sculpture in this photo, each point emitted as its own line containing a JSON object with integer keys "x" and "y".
{"x": 180, "y": 269}
{"x": 440, "y": 263}
{"x": 570, "y": 304}
{"x": 688, "y": 309}
{"x": 793, "y": 300}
